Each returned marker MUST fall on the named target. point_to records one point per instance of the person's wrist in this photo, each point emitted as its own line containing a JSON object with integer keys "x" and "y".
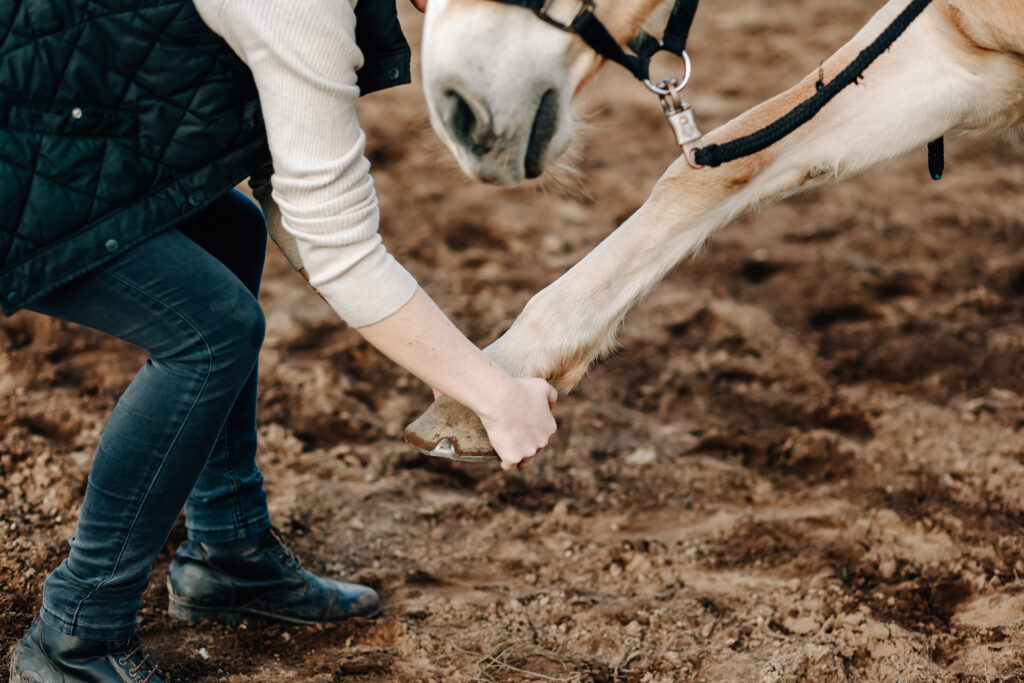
{"x": 495, "y": 397}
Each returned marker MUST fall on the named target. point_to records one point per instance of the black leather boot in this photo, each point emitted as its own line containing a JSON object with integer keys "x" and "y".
{"x": 45, "y": 655}
{"x": 259, "y": 576}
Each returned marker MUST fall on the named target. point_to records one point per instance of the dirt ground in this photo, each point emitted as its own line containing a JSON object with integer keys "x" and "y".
{"x": 806, "y": 463}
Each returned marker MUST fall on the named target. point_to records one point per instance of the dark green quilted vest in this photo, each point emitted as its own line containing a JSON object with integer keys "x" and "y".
{"x": 119, "y": 118}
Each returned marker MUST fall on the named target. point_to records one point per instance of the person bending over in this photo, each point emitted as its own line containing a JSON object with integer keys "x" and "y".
{"x": 124, "y": 126}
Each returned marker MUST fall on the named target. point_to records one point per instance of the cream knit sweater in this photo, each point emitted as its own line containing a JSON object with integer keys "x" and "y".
{"x": 304, "y": 58}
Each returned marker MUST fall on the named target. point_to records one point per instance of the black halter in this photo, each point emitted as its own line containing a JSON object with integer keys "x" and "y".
{"x": 680, "y": 115}
{"x": 587, "y": 26}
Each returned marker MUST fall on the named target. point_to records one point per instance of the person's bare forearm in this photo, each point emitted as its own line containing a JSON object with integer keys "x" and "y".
{"x": 421, "y": 339}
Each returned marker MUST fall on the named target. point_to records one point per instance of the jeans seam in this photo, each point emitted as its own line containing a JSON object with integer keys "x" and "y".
{"x": 229, "y": 444}
{"x": 238, "y": 521}
{"x": 150, "y": 298}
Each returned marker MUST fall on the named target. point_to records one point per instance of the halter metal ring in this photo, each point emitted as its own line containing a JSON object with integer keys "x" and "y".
{"x": 688, "y": 71}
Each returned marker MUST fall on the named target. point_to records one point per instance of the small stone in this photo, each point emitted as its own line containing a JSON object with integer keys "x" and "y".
{"x": 887, "y": 568}
{"x": 852, "y": 620}
{"x": 876, "y": 630}
{"x": 802, "y": 625}
{"x": 642, "y": 456}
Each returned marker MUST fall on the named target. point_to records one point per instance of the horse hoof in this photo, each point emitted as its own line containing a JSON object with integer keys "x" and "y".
{"x": 450, "y": 430}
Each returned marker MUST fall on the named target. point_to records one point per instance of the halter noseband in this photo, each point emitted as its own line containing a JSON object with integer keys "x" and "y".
{"x": 644, "y": 46}
{"x": 587, "y": 26}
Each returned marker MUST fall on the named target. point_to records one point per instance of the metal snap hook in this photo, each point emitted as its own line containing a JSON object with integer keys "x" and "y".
{"x": 679, "y": 114}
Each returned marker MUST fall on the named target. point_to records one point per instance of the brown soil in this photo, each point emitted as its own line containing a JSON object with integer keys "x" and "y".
{"x": 807, "y": 462}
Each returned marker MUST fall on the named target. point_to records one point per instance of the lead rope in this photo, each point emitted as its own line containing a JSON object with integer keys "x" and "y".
{"x": 716, "y": 155}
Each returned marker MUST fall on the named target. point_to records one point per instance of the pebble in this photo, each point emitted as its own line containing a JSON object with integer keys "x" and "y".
{"x": 887, "y": 568}
{"x": 852, "y": 620}
{"x": 642, "y": 456}
{"x": 802, "y": 625}
{"x": 876, "y": 630}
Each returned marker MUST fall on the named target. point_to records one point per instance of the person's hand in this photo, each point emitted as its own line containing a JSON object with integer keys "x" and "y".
{"x": 515, "y": 412}
{"x": 520, "y": 422}
{"x": 421, "y": 5}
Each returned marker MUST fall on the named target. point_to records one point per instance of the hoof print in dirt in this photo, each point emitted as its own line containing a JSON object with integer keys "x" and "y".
{"x": 450, "y": 430}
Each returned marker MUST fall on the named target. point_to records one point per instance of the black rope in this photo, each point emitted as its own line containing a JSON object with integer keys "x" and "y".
{"x": 716, "y": 155}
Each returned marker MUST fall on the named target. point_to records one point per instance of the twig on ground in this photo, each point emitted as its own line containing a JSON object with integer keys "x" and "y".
{"x": 497, "y": 659}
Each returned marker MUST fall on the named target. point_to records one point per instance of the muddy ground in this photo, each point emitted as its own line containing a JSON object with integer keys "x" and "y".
{"x": 806, "y": 463}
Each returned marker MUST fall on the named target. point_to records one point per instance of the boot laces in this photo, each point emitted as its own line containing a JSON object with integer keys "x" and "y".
{"x": 144, "y": 666}
{"x": 282, "y": 549}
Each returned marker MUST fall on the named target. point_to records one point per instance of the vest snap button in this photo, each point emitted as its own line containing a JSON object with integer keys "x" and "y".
{"x": 14, "y": 298}
{"x": 76, "y": 113}
{"x": 394, "y": 74}
{"x": 111, "y": 246}
{"x": 195, "y": 199}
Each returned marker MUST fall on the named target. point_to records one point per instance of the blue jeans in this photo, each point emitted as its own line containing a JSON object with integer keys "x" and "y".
{"x": 184, "y": 432}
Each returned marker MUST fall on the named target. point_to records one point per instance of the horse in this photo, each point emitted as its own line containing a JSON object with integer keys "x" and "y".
{"x": 499, "y": 83}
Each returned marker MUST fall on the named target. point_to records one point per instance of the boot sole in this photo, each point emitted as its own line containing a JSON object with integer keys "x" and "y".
{"x": 181, "y": 609}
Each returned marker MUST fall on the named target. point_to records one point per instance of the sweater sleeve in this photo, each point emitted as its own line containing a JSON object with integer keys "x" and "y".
{"x": 304, "y": 58}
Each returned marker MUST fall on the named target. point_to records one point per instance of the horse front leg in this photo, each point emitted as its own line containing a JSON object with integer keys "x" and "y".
{"x": 933, "y": 80}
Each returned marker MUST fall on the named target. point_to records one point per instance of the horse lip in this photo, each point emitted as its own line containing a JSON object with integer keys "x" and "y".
{"x": 543, "y": 130}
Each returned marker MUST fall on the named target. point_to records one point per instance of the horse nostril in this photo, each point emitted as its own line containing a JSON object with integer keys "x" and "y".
{"x": 470, "y": 125}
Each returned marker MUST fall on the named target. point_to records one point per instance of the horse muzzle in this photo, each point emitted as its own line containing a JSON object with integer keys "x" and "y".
{"x": 500, "y": 144}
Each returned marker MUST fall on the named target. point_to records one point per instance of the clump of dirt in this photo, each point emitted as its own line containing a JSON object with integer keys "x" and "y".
{"x": 806, "y": 462}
